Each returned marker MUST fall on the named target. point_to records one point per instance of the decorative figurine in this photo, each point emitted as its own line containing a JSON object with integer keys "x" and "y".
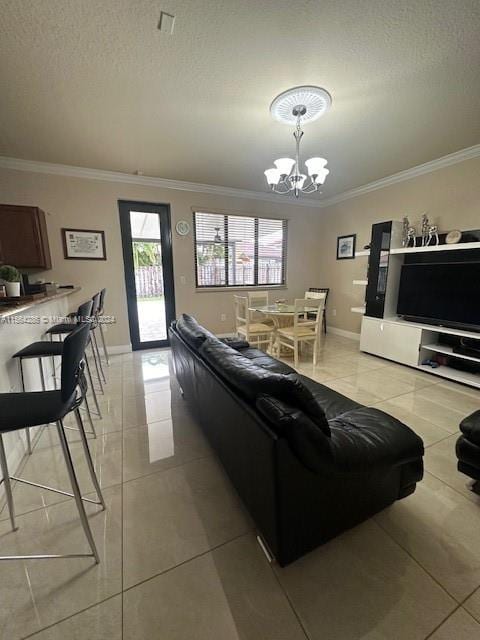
{"x": 411, "y": 235}
{"x": 432, "y": 234}
{"x": 453, "y": 237}
{"x": 405, "y": 227}
{"x": 425, "y": 228}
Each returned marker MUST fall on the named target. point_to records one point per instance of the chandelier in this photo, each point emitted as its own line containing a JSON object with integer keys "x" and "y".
{"x": 297, "y": 107}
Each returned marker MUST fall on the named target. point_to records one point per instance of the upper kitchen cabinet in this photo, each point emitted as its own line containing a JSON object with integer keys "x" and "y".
{"x": 23, "y": 237}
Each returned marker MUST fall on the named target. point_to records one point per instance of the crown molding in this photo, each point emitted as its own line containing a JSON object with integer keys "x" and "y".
{"x": 18, "y": 164}
{"x": 421, "y": 169}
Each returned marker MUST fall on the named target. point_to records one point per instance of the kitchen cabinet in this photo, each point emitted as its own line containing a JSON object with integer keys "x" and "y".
{"x": 24, "y": 238}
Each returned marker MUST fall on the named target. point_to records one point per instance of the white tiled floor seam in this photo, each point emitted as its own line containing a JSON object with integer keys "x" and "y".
{"x": 54, "y": 624}
{"x": 443, "y": 622}
{"x": 16, "y": 484}
{"x": 416, "y": 561}
{"x": 153, "y": 577}
{"x": 122, "y": 533}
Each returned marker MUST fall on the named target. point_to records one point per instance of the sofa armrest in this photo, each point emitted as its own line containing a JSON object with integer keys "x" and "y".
{"x": 470, "y": 427}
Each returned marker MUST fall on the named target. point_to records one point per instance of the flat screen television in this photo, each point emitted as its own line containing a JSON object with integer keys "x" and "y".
{"x": 446, "y": 294}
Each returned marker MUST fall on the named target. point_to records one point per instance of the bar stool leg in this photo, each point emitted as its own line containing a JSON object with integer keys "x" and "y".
{"x": 42, "y": 375}
{"x": 96, "y": 367}
{"x": 27, "y": 430}
{"x": 8, "y": 486}
{"x": 95, "y": 346}
{"x": 53, "y": 365}
{"x": 92, "y": 388}
{"x": 88, "y": 456}
{"x": 89, "y": 416}
{"x": 102, "y": 336}
{"x": 29, "y": 441}
{"x": 53, "y": 373}
{"x": 76, "y": 491}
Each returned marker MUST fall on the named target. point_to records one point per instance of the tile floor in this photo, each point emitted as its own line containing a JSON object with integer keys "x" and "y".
{"x": 179, "y": 555}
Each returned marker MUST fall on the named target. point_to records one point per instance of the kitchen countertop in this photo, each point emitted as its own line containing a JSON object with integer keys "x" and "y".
{"x": 8, "y": 310}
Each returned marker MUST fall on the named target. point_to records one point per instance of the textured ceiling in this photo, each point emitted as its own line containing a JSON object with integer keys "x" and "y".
{"x": 94, "y": 83}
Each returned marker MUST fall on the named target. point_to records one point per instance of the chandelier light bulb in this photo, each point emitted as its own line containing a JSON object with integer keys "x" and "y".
{"x": 315, "y": 166}
{"x": 321, "y": 176}
{"x": 273, "y": 176}
{"x": 284, "y": 165}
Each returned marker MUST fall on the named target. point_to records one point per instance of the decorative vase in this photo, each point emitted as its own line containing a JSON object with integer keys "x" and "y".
{"x": 13, "y": 289}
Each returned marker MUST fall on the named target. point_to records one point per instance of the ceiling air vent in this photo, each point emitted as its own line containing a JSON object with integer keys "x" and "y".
{"x": 166, "y": 23}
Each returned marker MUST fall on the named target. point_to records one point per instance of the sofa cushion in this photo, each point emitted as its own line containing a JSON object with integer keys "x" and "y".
{"x": 468, "y": 452}
{"x": 236, "y": 343}
{"x": 470, "y": 427}
{"x": 262, "y": 359}
{"x": 332, "y": 402}
{"x": 192, "y": 332}
{"x": 361, "y": 440}
{"x": 251, "y": 380}
{"x": 367, "y": 438}
{"x": 303, "y": 436}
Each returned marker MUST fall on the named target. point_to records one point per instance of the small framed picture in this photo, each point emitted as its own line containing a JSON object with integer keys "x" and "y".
{"x": 83, "y": 244}
{"x": 346, "y": 247}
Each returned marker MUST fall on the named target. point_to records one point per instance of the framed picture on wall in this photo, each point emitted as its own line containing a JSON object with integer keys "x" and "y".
{"x": 83, "y": 244}
{"x": 346, "y": 247}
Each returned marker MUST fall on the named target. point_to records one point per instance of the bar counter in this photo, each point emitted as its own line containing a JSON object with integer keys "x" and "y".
{"x": 11, "y": 310}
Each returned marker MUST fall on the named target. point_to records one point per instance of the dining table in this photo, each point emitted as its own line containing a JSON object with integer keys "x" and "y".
{"x": 278, "y": 312}
{"x": 281, "y": 313}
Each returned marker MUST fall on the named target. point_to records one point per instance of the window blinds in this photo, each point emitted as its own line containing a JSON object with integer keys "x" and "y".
{"x": 234, "y": 251}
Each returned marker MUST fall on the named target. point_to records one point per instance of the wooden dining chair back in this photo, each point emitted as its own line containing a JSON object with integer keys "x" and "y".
{"x": 326, "y": 291}
{"x": 241, "y": 312}
{"x": 257, "y": 299}
{"x": 257, "y": 332}
{"x": 312, "y": 295}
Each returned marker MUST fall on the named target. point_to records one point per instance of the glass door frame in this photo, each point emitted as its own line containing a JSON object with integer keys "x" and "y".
{"x": 163, "y": 211}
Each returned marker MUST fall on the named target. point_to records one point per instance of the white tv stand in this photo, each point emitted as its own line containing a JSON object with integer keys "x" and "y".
{"x": 412, "y": 343}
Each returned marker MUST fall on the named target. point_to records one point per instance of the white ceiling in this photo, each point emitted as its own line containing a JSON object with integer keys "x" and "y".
{"x": 94, "y": 83}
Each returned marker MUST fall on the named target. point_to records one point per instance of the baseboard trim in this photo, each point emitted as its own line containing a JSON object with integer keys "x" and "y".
{"x": 344, "y": 334}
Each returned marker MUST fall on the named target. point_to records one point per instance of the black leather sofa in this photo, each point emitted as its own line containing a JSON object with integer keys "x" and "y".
{"x": 307, "y": 462}
{"x": 468, "y": 449}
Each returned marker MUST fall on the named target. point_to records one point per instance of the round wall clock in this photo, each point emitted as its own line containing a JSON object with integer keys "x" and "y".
{"x": 182, "y": 227}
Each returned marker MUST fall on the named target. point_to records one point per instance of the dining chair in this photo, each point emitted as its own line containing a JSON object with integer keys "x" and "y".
{"x": 258, "y": 299}
{"x": 303, "y": 330}
{"x": 257, "y": 332}
{"x": 326, "y": 291}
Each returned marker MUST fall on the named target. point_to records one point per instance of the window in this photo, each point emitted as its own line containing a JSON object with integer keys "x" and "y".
{"x": 237, "y": 251}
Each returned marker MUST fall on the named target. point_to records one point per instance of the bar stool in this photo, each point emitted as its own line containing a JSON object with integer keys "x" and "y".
{"x": 43, "y": 349}
{"x": 65, "y": 328}
{"x": 101, "y": 311}
{"x": 83, "y": 314}
{"x": 35, "y": 408}
{"x": 93, "y": 327}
